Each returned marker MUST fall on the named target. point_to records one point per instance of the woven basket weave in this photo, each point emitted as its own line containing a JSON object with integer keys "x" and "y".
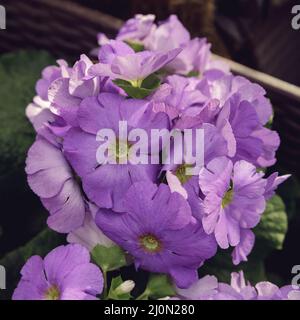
{"x": 61, "y": 27}
{"x": 66, "y": 30}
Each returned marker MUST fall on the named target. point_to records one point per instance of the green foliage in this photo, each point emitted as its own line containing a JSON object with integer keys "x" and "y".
{"x": 290, "y": 193}
{"x": 109, "y": 259}
{"x": 148, "y": 85}
{"x": 18, "y": 75}
{"x": 159, "y": 286}
{"x": 272, "y": 228}
{"x": 13, "y": 262}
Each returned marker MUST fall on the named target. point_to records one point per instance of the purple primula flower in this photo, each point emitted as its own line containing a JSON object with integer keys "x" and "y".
{"x": 67, "y": 92}
{"x": 113, "y": 49}
{"x": 270, "y": 142}
{"x": 168, "y": 35}
{"x": 208, "y": 288}
{"x": 127, "y": 65}
{"x": 195, "y": 55}
{"x": 214, "y": 145}
{"x": 204, "y": 287}
{"x": 233, "y": 201}
{"x": 49, "y": 74}
{"x": 52, "y": 179}
{"x": 176, "y": 95}
{"x": 224, "y": 87}
{"x": 273, "y": 181}
{"x": 38, "y": 112}
{"x": 254, "y": 143}
{"x": 64, "y": 274}
{"x": 137, "y": 29}
{"x": 158, "y": 230}
{"x": 89, "y": 235}
{"x": 105, "y": 184}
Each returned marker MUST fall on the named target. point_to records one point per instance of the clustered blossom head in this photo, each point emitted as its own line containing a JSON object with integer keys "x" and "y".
{"x": 153, "y": 76}
{"x": 208, "y": 288}
{"x": 64, "y": 274}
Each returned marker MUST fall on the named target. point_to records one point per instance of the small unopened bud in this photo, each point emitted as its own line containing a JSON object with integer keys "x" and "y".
{"x": 165, "y": 298}
{"x": 125, "y": 287}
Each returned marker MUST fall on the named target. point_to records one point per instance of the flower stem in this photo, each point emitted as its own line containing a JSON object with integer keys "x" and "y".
{"x": 143, "y": 296}
{"x": 105, "y": 284}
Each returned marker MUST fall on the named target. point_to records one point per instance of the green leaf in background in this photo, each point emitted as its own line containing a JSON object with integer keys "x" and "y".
{"x": 273, "y": 226}
{"x": 159, "y": 286}
{"x": 148, "y": 85}
{"x": 18, "y": 75}
{"x": 13, "y": 262}
{"x": 289, "y": 191}
{"x": 109, "y": 258}
{"x": 19, "y": 72}
{"x": 221, "y": 266}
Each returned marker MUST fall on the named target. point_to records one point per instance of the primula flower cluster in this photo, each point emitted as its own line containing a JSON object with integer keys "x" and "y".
{"x": 208, "y": 288}
{"x": 153, "y": 76}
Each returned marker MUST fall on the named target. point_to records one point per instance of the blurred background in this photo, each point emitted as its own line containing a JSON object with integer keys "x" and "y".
{"x": 255, "y": 33}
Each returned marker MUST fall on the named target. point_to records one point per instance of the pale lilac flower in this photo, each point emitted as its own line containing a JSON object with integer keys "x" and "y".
{"x": 137, "y": 29}
{"x": 208, "y": 288}
{"x": 233, "y": 199}
{"x": 195, "y": 56}
{"x": 273, "y": 181}
{"x": 38, "y": 112}
{"x": 64, "y": 274}
{"x": 176, "y": 95}
{"x": 127, "y": 65}
{"x": 254, "y": 143}
{"x": 89, "y": 235}
{"x": 67, "y": 92}
{"x": 106, "y": 183}
{"x": 158, "y": 230}
{"x": 52, "y": 179}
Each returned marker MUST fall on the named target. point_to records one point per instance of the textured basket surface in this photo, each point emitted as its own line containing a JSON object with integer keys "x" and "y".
{"x": 61, "y": 27}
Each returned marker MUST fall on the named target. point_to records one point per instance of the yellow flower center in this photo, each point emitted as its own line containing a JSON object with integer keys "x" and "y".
{"x": 181, "y": 173}
{"x": 150, "y": 243}
{"x": 52, "y": 293}
{"x": 227, "y": 198}
{"x": 120, "y": 150}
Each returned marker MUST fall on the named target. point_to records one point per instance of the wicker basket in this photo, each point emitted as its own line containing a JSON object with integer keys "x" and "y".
{"x": 61, "y": 27}
{"x": 67, "y": 30}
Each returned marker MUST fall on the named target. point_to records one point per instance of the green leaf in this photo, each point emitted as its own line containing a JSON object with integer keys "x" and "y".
{"x": 290, "y": 194}
{"x": 18, "y": 75}
{"x": 273, "y": 226}
{"x": 159, "y": 286}
{"x": 109, "y": 258}
{"x": 221, "y": 266}
{"x": 13, "y": 262}
{"x": 148, "y": 85}
{"x": 136, "y": 46}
